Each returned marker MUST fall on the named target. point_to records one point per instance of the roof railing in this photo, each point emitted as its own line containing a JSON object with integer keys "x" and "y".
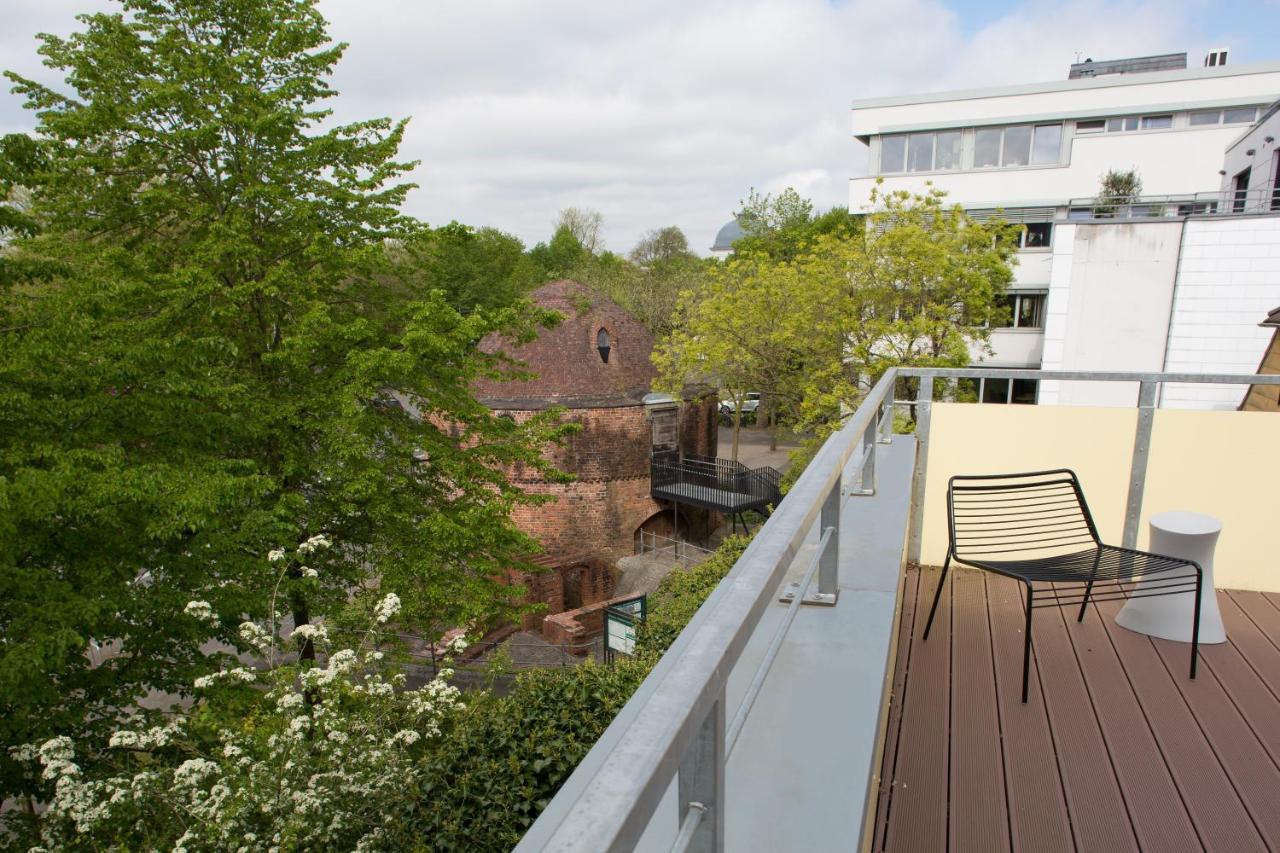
{"x": 674, "y": 726}
{"x": 1225, "y": 202}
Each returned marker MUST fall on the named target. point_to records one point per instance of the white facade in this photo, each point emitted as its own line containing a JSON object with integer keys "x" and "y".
{"x": 1142, "y": 286}
{"x": 1251, "y": 170}
{"x": 1181, "y": 157}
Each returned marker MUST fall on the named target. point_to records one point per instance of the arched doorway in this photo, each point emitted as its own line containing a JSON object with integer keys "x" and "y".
{"x": 661, "y": 524}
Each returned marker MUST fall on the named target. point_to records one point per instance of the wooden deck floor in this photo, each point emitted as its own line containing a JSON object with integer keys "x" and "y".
{"x": 1116, "y": 748}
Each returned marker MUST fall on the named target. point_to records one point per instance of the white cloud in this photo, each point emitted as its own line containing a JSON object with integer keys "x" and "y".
{"x": 664, "y": 113}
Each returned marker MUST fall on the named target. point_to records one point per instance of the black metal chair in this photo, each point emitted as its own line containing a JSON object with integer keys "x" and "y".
{"x": 1036, "y": 528}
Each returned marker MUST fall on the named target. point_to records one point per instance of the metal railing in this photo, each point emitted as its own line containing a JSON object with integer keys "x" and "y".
{"x": 709, "y": 482}
{"x": 674, "y": 727}
{"x": 1215, "y": 203}
{"x": 1148, "y": 395}
{"x": 682, "y": 552}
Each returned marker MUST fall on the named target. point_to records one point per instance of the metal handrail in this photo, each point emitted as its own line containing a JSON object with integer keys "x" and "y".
{"x": 1223, "y": 202}
{"x": 1148, "y": 394}
{"x": 675, "y": 722}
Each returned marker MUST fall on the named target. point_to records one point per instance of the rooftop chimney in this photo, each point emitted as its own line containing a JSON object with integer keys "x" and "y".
{"x": 1215, "y": 58}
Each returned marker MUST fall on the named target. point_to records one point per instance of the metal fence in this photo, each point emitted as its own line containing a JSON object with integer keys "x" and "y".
{"x": 1216, "y": 203}
{"x": 677, "y": 725}
{"x": 1148, "y": 394}
{"x": 684, "y": 553}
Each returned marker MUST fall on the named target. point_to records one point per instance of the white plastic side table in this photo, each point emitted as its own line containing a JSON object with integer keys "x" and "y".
{"x": 1192, "y": 536}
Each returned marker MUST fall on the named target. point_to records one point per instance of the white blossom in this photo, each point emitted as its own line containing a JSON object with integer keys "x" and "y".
{"x": 314, "y": 633}
{"x": 255, "y": 636}
{"x": 308, "y": 572}
{"x": 458, "y": 644}
{"x": 201, "y": 610}
{"x": 389, "y": 606}
{"x": 315, "y": 543}
{"x": 193, "y": 771}
{"x": 276, "y": 556}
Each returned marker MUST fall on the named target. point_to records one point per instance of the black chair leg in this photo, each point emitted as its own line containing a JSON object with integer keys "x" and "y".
{"x": 938, "y": 594}
{"x": 1026, "y": 646}
{"x": 1195, "y": 624}
{"x": 1085, "y": 604}
{"x": 1087, "y": 590}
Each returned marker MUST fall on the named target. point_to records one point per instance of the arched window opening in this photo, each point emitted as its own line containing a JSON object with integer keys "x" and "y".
{"x": 602, "y": 345}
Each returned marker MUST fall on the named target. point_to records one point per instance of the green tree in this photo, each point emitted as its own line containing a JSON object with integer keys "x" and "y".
{"x": 475, "y": 268}
{"x": 784, "y": 227}
{"x": 1116, "y": 189}
{"x": 750, "y": 328}
{"x": 559, "y": 257}
{"x": 921, "y": 287}
{"x": 211, "y": 372}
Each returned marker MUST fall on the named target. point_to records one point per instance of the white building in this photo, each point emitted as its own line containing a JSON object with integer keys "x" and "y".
{"x": 1173, "y": 280}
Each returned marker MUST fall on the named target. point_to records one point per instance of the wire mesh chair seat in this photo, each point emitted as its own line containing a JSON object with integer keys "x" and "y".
{"x": 1037, "y": 529}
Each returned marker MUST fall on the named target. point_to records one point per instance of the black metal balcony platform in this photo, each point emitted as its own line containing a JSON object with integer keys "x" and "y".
{"x": 717, "y": 484}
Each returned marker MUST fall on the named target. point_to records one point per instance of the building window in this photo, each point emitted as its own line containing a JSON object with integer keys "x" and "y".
{"x": 947, "y": 150}
{"x": 1026, "y": 311}
{"x": 1239, "y": 115}
{"x": 1037, "y": 235}
{"x": 602, "y": 345}
{"x": 1018, "y": 391}
{"x": 1091, "y": 126}
{"x": 1275, "y": 181}
{"x": 1240, "y": 187}
{"x": 986, "y": 147}
{"x": 1017, "y": 146}
{"x": 1204, "y": 117}
{"x": 1046, "y": 144}
{"x": 893, "y": 153}
{"x": 920, "y": 152}
{"x": 1157, "y": 122}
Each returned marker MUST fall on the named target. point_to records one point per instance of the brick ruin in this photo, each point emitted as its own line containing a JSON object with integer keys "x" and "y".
{"x": 596, "y": 366}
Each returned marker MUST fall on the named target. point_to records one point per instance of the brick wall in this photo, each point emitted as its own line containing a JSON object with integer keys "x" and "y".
{"x": 574, "y": 628}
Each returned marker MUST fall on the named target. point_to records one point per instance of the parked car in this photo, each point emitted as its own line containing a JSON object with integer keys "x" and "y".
{"x": 750, "y": 404}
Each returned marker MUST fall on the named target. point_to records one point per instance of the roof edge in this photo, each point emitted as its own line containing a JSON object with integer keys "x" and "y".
{"x": 1083, "y": 83}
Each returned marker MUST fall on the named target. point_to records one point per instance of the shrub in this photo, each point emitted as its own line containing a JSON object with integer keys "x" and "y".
{"x": 333, "y": 757}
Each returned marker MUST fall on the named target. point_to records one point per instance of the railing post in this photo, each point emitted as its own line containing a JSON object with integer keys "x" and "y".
{"x": 1138, "y": 465}
{"x": 829, "y": 560}
{"x": 869, "y": 460}
{"x": 885, "y": 419}
{"x": 924, "y": 413}
{"x": 701, "y": 786}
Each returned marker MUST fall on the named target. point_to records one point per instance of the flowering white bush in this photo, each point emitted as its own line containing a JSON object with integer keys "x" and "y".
{"x": 299, "y": 756}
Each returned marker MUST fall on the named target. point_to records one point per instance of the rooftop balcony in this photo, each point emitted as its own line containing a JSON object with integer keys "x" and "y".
{"x": 801, "y": 709}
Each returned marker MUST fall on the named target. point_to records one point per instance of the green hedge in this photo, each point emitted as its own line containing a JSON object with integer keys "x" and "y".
{"x": 491, "y": 776}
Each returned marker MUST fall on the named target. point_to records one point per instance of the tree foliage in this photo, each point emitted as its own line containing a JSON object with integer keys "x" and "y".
{"x": 919, "y": 287}
{"x": 340, "y": 756}
{"x": 785, "y": 226}
{"x": 210, "y": 370}
{"x": 586, "y": 226}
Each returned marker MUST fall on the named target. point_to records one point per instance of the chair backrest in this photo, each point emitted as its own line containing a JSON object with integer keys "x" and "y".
{"x": 1018, "y": 516}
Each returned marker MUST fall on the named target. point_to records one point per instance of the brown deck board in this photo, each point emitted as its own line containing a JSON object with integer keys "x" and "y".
{"x": 1159, "y": 820}
{"x": 1239, "y": 676}
{"x": 1250, "y": 776}
{"x": 1257, "y": 635}
{"x": 1117, "y": 748}
{"x": 918, "y": 799}
{"x": 893, "y": 728}
{"x": 978, "y": 819}
{"x": 1208, "y": 797}
{"x": 1037, "y": 807}
{"x": 1097, "y": 807}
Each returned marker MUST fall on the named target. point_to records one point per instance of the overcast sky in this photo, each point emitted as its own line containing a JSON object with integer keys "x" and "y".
{"x": 666, "y": 112}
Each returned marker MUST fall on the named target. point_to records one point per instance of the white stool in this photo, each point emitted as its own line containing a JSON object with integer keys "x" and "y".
{"x": 1192, "y": 536}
